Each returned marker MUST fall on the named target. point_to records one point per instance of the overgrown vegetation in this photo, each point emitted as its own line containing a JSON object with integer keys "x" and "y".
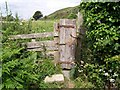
{"x": 21, "y": 68}
{"x": 101, "y": 46}
{"x": 100, "y": 57}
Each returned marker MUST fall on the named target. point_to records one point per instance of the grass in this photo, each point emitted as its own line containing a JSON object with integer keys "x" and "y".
{"x": 27, "y": 27}
{"x": 80, "y": 83}
{"x": 43, "y": 26}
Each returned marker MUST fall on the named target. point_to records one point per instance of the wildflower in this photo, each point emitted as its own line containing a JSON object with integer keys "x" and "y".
{"x": 82, "y": 62}
{"x": 110, "y": 70}
{"x": 80, "y": 70}
{"x": 106, "y": 74}
{"x": 81, "y": 65}
{"x": 98, "y": 21}
{"x": 115, "y": 75}
{"x": 112, "y": 80}
{"x": 100, "y": 70}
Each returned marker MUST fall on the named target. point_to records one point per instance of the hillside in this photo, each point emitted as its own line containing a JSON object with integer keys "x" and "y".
{"x": 63, "y": 13}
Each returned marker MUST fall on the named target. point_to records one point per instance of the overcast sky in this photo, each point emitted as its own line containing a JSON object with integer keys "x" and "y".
{"x": 26, "y": 8}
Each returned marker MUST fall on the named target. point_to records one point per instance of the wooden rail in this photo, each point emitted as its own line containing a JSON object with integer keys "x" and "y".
{"x": 42, "y": 49}
{"x": 32, "y": 36}
{"x": 41, "y": 45}
{"x": 37, "y": 45}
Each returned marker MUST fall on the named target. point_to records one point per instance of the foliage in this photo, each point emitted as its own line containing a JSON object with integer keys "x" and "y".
{"x": 103, "y": 74}
{"x": 45, "y": 68}
{"x": 9, "y": 17}
{"x": 37, "y": 15}
{"x": 17, "y": 63}
{"x": 79, "y": 83}
{"x": 72, "y": 16}
{"x": 19, "y": 69}
{"x": 102, "y": 40}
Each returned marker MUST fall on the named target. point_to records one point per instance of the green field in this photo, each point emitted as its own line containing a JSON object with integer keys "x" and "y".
{"x": 43, "y": 26}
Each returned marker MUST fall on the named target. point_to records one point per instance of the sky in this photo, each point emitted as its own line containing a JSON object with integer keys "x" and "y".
{"x": 26, "y": 8}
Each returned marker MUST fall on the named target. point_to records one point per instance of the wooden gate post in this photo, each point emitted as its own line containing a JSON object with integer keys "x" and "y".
{"x": 56, "y": 41}
{"x": 67, "y": 42}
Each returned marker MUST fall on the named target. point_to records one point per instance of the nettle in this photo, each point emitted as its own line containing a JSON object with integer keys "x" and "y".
{"x": 103, "y": 41}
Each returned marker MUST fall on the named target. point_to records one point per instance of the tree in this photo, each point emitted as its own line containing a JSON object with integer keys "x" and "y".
{"x": 37, "y": 15}
{"x": 45, "y": 17}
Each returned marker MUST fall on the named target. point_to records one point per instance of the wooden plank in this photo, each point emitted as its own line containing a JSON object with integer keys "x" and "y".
{"x": 62, "y": 32}
{"x": 50, "y": 53}
{"x": 56, "y": 56}
{"x": 66, "y": 62}
{"x": 68, "y": 40}
{"x": 56, "y": 41}
{"x": 67, "y": 26}
{"x": 40, "y": 44}
{"x": 56, "y": 34}
{"x": 67, "y": 43}
{"x": 56, "y": 30}
{"x": 48, "y": 48}
{"x": 70, "y": 22}
{"x": 34, "y": 35}
{"x": 74, "y": 31}
{"x": 73, "y": 42}
{"x": 62, "y": 55}
{"x": 62, "y": 43}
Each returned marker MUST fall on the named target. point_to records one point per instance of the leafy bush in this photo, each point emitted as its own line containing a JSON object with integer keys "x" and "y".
{"x": 101, "y": 20}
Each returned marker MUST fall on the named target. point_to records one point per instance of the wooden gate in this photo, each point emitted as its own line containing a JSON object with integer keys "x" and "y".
{"x": 65, "y": 38}
{"x": 63, "y": 46}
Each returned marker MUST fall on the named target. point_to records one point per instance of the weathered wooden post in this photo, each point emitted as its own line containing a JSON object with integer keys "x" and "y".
{"x": 56, "y": 41}
{"x": 80, "y": 35}
{"x": 35, "y": 53}
{"x": 67, "y": 44}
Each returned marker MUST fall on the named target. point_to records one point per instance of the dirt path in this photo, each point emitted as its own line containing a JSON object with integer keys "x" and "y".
{"x": 70, "y": 84}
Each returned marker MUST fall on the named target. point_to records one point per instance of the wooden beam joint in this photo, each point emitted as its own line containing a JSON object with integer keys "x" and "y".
{"x": 66, "y": 26}
{"x": 66, "y": 62}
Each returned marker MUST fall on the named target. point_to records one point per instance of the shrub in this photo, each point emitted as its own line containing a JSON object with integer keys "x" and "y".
{"x": 102, "y": 41}
{"x": 19, "y": 69}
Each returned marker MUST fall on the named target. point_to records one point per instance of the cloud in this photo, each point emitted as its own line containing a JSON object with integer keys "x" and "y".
{"x": 26, "y": 8}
